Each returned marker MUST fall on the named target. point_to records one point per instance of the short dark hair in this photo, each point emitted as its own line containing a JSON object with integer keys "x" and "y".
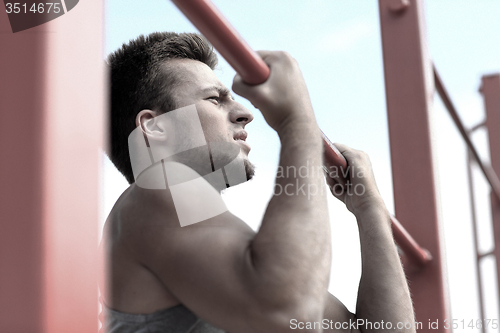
{"x": 139, "y": 80}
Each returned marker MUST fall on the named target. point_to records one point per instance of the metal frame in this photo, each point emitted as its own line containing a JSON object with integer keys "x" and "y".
{"x": 490, "y": 88}
{"x": 488, "y": 172}
{"x": 49, "y": 240}
{"x": 52, "y": 102}
{"x": 491, "y": 91}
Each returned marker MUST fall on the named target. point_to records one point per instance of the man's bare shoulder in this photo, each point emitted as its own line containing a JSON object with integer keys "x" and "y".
{"x": 146, "y": 220}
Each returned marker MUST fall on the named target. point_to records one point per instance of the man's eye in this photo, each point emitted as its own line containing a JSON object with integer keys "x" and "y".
{"x": 215, "y": 99}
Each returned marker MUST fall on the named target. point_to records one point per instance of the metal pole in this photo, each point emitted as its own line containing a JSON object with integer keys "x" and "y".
{"x": 475, "y": 238}
{"x": 51, "y": 134}
{"x": 490, "y": 89}
{"x": 416, "y": 255}
{"x": 214, "y": 26}
{"x": 409, "y": 91}
{"x": 21, "y": 255}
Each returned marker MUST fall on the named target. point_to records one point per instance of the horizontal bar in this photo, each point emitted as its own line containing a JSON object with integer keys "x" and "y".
{"x": 410, "y": 247}
{"x": 477, "y": 126}
{"x": 488, "y": 172}
{"x": 247, "y": 63}
{"x": 214, "y": 26}
{"x": 332, "y": 156}
{"x": 486, "y": 254}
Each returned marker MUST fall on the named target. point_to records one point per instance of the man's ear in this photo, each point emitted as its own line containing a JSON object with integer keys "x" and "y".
{"x": 151, "y": 125}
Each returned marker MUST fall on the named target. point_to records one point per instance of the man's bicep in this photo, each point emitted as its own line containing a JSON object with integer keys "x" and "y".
{"x": 207, "y": 266}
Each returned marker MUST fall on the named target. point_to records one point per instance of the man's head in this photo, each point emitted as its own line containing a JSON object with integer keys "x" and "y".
{"x": 222, "y": 121}
{"x": 162, "y": 72}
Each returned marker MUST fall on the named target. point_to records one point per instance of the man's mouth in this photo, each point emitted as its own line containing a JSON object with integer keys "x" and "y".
{"x": 241, "y": 138}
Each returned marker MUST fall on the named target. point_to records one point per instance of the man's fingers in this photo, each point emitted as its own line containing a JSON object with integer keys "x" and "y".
{"x": 241, "y": 88}
{"x": 267, "y": 56}
{"x": 245, "y": 90}
{"x": 272, "y": 58}
{"x": 342, "y": 148}
{"x": 336, "y": 176}
{"x": 336, "y": 188}
{"x": 349, "y": 153}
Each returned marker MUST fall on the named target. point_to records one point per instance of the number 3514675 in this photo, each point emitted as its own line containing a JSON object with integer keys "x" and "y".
{"x": 37, "y": 8}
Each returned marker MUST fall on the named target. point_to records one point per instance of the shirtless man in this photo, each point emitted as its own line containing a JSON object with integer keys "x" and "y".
{"x": 218, "y": 275}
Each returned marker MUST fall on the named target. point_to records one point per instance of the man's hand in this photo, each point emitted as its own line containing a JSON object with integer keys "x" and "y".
{"x": 383, "y": 293}
{"x": 355, "y": 185}
{"x": 278, "y": 99}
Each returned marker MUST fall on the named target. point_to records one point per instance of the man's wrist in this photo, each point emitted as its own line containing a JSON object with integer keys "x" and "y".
{"x": 373, "y": 212}
{"x": 302, "y": 126}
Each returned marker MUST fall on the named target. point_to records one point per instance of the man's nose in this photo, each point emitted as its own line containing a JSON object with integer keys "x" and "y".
{"x": 241, "y": 115}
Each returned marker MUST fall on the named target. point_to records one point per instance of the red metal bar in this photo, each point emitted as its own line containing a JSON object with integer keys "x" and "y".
{"x": 52, "y": 103}
{"x": 332, "y": 156}
{"x": 488, "y": 172}
{"x": 416, "y": 255}
{"x": 213, "y": 25}
{"x": 477, "y": 126}
{"x": 490, "y": 89}
{"x": 409, "y": 90}
{"x": 482, "y": 255}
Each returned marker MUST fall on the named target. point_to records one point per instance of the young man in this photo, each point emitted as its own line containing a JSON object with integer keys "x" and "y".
{"x": 213, "y": 273}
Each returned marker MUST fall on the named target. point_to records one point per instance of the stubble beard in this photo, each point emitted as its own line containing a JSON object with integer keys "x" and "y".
{"x": 249, "y": 169}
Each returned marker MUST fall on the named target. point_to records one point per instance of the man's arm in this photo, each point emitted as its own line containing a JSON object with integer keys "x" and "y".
{"x": 383, "y": 294}
{"x": 295, "y": 228}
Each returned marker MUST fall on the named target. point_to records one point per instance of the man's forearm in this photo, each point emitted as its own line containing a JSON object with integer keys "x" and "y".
{"x": 292, "y": 247}
{"x": 383, "y": 290}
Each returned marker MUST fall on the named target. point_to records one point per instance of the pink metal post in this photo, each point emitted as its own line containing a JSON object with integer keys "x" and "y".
{"x": 21, "y": 206}
{"x": 409, "y": 91}
{"x": 52, "y": 103}
{"x": 491, "y": 92}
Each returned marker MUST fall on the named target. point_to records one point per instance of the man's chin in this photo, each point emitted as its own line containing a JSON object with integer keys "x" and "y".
{"x": 249, "y": 173}
{"x": 249, "y": 169}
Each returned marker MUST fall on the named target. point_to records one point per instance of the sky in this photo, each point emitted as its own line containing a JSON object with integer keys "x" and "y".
{"x": 338, "y": 47}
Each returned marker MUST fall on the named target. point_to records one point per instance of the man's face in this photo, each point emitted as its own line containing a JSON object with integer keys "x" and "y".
{"x": 222, "y": 118}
